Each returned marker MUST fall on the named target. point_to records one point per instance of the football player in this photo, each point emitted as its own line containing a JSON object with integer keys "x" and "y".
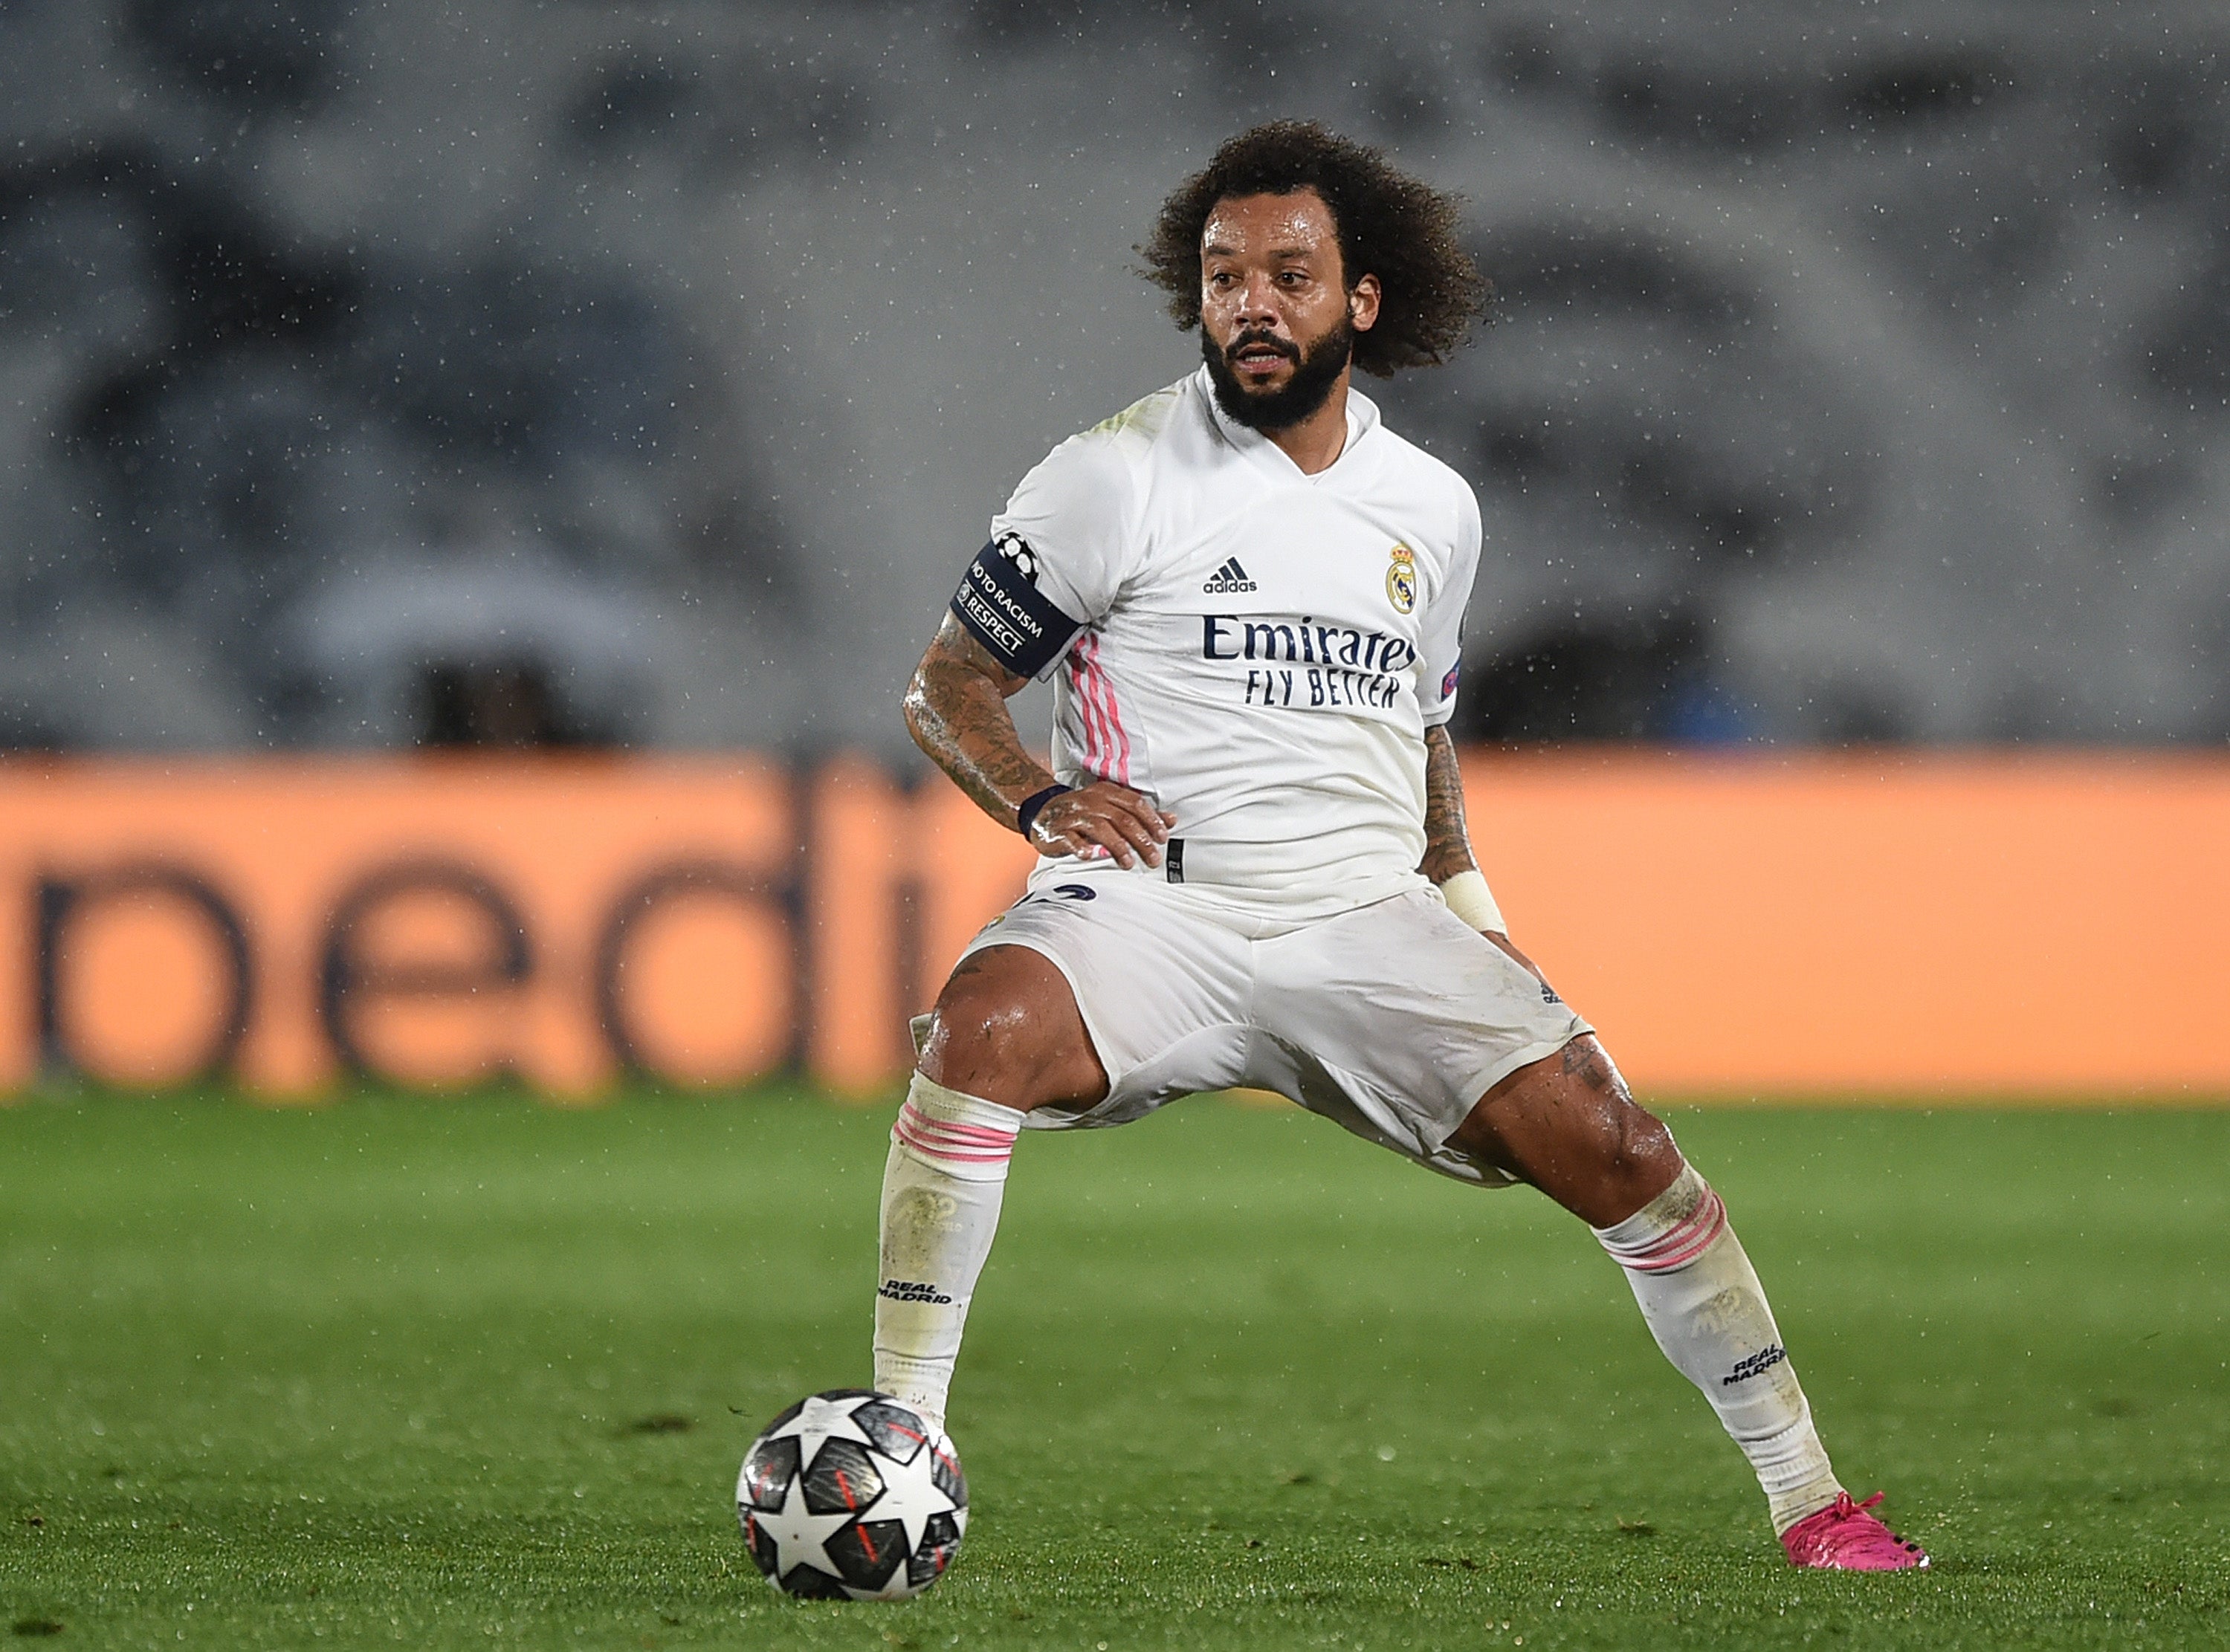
{"x": 1248, "y": 594}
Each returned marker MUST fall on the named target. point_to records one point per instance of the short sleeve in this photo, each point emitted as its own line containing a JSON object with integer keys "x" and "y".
{"x": 1440, "y": 640}
{"x": 1056, "y": 556}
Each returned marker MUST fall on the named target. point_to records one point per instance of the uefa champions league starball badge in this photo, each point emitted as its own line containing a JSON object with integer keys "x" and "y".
{"x": 852, "y": 1495}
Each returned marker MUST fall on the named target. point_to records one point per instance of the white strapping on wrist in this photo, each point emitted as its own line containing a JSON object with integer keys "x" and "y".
{"x": 1470, "y": 899}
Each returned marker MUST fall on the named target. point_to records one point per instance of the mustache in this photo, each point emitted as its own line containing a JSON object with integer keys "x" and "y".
{"x": 1247, "y": 340}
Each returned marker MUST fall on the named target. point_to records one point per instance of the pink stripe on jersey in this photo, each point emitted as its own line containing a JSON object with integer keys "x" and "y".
{"x": 1079, "y": 673}
{"x": 1098, "y": 692}
{"x": 1114, "y": 719}
{"x": 1682, "y": 1243}
{"x": 1094, "y": 698}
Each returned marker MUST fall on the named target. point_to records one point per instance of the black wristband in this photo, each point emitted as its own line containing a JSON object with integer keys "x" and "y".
{"x": 1026, "y": 816}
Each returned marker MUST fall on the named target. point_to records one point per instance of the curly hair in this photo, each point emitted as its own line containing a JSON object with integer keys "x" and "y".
{"x": 1389, "y": 225}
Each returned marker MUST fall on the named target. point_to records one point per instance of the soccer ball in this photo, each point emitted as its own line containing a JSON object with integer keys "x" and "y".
{"x": 851, "y": 1495}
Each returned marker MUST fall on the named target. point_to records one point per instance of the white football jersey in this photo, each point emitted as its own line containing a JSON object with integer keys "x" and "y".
{"x": 1259, "y": 650}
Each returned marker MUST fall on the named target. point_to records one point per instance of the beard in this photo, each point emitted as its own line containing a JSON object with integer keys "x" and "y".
{"x": 1316, "y": 369}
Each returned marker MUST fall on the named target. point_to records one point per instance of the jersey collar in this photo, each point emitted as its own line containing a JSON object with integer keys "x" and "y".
{"x": 1361, "y": 420}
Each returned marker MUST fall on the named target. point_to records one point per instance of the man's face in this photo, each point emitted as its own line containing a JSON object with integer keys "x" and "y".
{"x": 1277, "y": 319}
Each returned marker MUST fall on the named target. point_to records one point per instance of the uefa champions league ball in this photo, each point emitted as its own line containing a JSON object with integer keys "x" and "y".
{"x": 850, "y": 1496}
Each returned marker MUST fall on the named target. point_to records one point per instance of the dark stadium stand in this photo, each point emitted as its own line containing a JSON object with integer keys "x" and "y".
{"x": 1858, "y": 376}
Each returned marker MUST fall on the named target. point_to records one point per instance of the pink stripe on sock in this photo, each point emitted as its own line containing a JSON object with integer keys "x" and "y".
{"x": 959, "y": 1144}
{"x": 976, "y": 1144}
{"x": 958, "y": 1156}
{"x": 993, "y": 1139}
{"x": 979, "y": 1135}
{"x": 1684, "y": 1243}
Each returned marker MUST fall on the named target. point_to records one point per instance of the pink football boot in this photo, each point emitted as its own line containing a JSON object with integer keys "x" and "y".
{"x": 1844, "y": 1537}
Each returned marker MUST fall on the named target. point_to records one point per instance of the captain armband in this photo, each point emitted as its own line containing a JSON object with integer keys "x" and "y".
{"x": 1470, "y": 899}
{"x": 1000, "y": 604}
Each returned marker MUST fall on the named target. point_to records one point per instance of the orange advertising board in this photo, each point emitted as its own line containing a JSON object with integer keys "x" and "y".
{"x": 1872, "y": 925}
{"x": 283, "y": 923}
{"x": 1909, "y": 926}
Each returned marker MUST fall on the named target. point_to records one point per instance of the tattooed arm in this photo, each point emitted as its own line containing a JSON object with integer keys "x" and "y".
{"x": 1447, "y": 844}
{"x": 1447, "y": 841}
{"x": 956, "y": 709}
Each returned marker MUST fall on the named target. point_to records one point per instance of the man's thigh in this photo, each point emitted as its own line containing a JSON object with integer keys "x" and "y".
{"x": 1396, "y": 1017}
{"x": 1161, "y": 988}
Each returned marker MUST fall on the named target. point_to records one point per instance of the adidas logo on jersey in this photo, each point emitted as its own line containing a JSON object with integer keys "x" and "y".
{"x": 1228, "y": 579}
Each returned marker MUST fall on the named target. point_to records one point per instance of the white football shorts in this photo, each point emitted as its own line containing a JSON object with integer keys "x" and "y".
{"x": 1391, "y": 1020}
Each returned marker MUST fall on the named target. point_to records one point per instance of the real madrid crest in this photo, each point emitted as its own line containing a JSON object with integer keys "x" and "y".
{"x": 1401, "y": 579}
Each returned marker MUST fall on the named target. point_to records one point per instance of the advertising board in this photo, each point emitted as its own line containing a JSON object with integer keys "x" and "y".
{"x": 1754, "y": 925}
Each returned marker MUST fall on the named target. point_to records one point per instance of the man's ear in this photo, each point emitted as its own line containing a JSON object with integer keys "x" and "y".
{"x": 1362, "y": 304}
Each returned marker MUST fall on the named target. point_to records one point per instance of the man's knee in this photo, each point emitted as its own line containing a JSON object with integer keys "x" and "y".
{"x": 1629, "y": 1141}
{"x": 1638, "y": 1149}
{"x": 1006, "y": 1028}
{"x": 1569, "y": 1126}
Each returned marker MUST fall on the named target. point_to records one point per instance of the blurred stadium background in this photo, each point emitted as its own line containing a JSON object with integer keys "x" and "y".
{"x": 381, "y": 377}
{"x": 475, "y": 480}
{"x": 388, "y": 373}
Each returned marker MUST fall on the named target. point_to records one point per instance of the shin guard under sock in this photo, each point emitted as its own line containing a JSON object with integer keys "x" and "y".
{"x": 1709, "y": 1313}
{"x": 942, "y": 1186}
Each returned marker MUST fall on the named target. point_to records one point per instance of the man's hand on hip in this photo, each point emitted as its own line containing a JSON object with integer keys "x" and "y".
{"x": 1102, "y": 820}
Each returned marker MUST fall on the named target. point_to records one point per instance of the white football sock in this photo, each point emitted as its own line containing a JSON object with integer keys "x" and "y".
{"x": 1707, "y": 1311}
{"x": 942, "y": 1186}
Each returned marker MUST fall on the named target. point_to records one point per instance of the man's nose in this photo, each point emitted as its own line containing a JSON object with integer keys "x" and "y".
{"x": 1258, "y": 302}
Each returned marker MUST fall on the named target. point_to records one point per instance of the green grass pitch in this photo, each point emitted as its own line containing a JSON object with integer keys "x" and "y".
{"x": 478, "y": 1373}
